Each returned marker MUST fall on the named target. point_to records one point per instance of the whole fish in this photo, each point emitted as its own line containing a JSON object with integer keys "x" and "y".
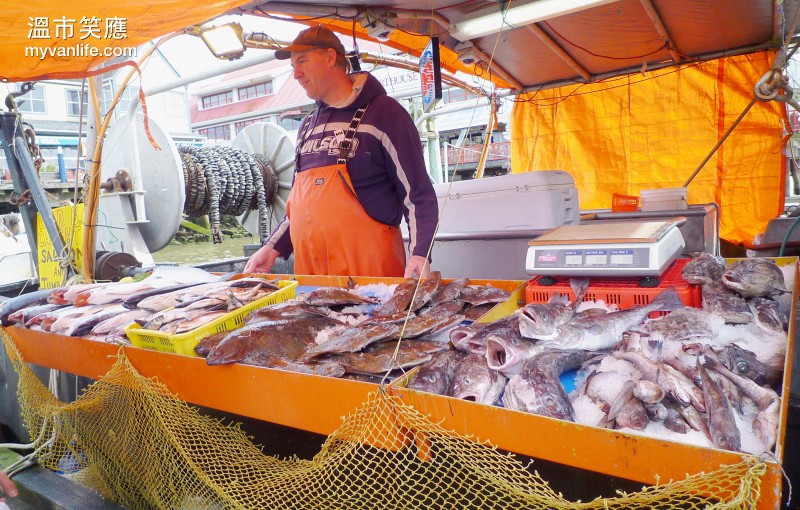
{"x": 481, "y": 294}
{"x": 47, "y": 318}
{"x": 426, "y": 290}
{"x": 63, "y": 323}
{"x": 763, "y": 396}
{"x": 334, "y": 296}
{"x": 672, "y": 381}
{"x": 422, "y": 324}
{"x": 257, "y": 342}
{"x": 134, "y": 300}
{"x": 473, "y": 313}
{"x": 436, "y": 376}
{"x": 686, "y": 324}
{"x": 602, "y": 332}
{"x": 541, "y": 320}
{"x": 767, "y": 314}
{"x": 160, "y": 302}
{"x": 325, "y": 369}
{"x": 704, "y": 269}
{"x": 537, "y": 388}
{"x": 448, "y": 308}
{"x": 473, "y": 338}
{"x": 719, "y": 299}
{"x": 66, "y": 295}
{"x": 507, "y": 350}
{"x": 355, "y": 339}
{"x": 12, "y": 305}
{"x": 87, "y": 324}
{"x": 745, "y": 363}
{"x": 379, "y": 357}
{"x": 25, "y": 314}
{"x": 115, "y": 323}
{"x": 755, "y": 277}
{"x": 189, "y": 324}
{"x": 449, "y": 291}
{"x": 401, "y": 298}
{"x": 285, "y": 310}
{"x": 205, "y": 345}
{"x": 721, "y": 423}
{"x": 476, "y": 382}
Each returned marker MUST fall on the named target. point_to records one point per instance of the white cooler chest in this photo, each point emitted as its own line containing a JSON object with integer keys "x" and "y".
{"x": 485, "y": 224}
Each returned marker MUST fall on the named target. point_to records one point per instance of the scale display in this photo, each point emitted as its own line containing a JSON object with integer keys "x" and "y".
{"x": 636, "y": 249}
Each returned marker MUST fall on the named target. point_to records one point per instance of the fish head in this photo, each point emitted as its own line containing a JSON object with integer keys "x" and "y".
{"x": 232, "y": 349}
{"x": 475, "y": 382}
{"x": 633, "y": 416}
{"x": 552, "y": 404}
{"x": 703, "y": 269}
{"x": 725, "y": 441}
{"x": 541, "y": 320}
{"x": 755, "y": 277}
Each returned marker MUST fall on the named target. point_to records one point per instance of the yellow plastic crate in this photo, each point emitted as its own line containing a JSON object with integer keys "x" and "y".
{"x": 184, "y": 343}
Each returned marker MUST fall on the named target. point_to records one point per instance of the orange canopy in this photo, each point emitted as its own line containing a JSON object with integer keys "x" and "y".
{"x": 652, "y": 130}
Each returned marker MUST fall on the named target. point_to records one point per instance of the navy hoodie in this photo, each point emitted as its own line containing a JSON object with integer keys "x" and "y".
{"x": 386, "y": 164}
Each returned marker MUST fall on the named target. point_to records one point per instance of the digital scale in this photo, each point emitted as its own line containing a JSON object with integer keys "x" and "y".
{"x": 626, "y": 248}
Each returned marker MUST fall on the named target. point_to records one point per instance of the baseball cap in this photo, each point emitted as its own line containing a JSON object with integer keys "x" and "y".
{"x": 309, "y": 39}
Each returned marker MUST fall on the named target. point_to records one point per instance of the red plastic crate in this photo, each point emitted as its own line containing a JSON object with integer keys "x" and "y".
{"x": 623, "y": 292}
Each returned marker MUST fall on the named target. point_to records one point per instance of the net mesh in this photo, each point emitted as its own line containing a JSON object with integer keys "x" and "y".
{"x": 131, "y": 439}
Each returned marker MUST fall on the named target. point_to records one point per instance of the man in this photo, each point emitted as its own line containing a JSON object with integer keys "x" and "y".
{"x": 359, "y": 169}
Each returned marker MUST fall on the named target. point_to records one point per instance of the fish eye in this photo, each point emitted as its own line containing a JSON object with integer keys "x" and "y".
{"x": 467, "y": 380}
{"x": 742, "y": 367}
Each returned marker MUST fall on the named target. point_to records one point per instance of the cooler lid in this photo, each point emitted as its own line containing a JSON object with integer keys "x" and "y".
{"x": 540, "y": 180}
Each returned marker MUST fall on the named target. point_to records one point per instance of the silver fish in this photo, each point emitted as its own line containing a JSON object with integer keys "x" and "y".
{"x": 24, "y": 315}
{"x": 704, "y": 269}
{"x": 603, "y": 332}
{"x": 436, "y": 376}
{"x": 476, "y": 382}
{"x": 672, "y": 381}
{"x": 763, "y": 396}
{"x": 719, "y": 299}
{"x": 755, "y": 277}
{"x": 537, "y": 389}
{"x": 292, "y": 309}
{"x": 721, "y": 423}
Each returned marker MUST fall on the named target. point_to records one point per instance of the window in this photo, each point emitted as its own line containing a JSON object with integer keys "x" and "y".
{"x": 257, "y": 90}
{"x": 455, "y": 95}
{"x": 218, "y": 99}
{"x": 217, "y": 132}
{"x": 174, "y": 104}
{"x": 124, "y": 101}
{"x": 244, "y": 123}
{"x": 34, "y": 101}
{"x": 74, "y": 102}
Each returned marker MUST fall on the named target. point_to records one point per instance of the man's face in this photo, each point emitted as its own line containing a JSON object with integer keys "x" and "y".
{"x": 312, "y": 70}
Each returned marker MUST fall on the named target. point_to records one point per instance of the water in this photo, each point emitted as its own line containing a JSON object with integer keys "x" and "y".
{"x": 196, "y": 253}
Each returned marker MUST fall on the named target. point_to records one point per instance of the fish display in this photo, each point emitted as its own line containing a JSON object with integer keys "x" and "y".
{"x": 712, "y": 373}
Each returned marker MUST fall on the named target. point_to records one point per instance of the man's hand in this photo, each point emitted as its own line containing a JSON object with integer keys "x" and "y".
{"x": 262, "y": 261}
{"x": 417, "y": 267}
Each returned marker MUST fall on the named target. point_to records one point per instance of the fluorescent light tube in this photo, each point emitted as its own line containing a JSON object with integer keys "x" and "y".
{"x": 491, "y": 21}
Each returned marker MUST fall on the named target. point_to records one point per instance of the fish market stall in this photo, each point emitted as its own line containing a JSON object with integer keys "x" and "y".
{"x": 595, "y": 431}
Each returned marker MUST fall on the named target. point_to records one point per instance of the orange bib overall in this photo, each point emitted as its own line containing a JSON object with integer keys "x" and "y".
{"x": 330, "y": 231}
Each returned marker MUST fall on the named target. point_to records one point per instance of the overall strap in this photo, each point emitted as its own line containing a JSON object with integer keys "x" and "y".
{"x": 301, "y": 140}
{"x": 344, "y": 146}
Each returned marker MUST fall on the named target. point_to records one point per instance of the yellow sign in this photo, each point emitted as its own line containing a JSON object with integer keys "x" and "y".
{"x": 51, "y": 274}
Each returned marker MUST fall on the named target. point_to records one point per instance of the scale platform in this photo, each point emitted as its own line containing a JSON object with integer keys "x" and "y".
{"x": 626, "y": 248}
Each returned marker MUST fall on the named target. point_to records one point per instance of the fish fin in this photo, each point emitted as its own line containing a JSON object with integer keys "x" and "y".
{"x": 579, "y": 287}
{"x": 668, "y": 300}
{"x": 656, "y": 347}
{"x": 622, "y": 399}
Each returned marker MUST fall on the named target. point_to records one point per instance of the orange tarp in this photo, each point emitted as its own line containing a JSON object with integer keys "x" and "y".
{"x": 71, "y": 31}
{"x": 653, "y": 130}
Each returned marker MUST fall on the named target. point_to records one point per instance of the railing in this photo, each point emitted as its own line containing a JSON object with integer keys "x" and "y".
{"x": 498, "y": 151}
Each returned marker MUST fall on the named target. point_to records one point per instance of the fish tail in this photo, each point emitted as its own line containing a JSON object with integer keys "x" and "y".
{"x": 579, "y": 287}
{"x": 668, "y": 300}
